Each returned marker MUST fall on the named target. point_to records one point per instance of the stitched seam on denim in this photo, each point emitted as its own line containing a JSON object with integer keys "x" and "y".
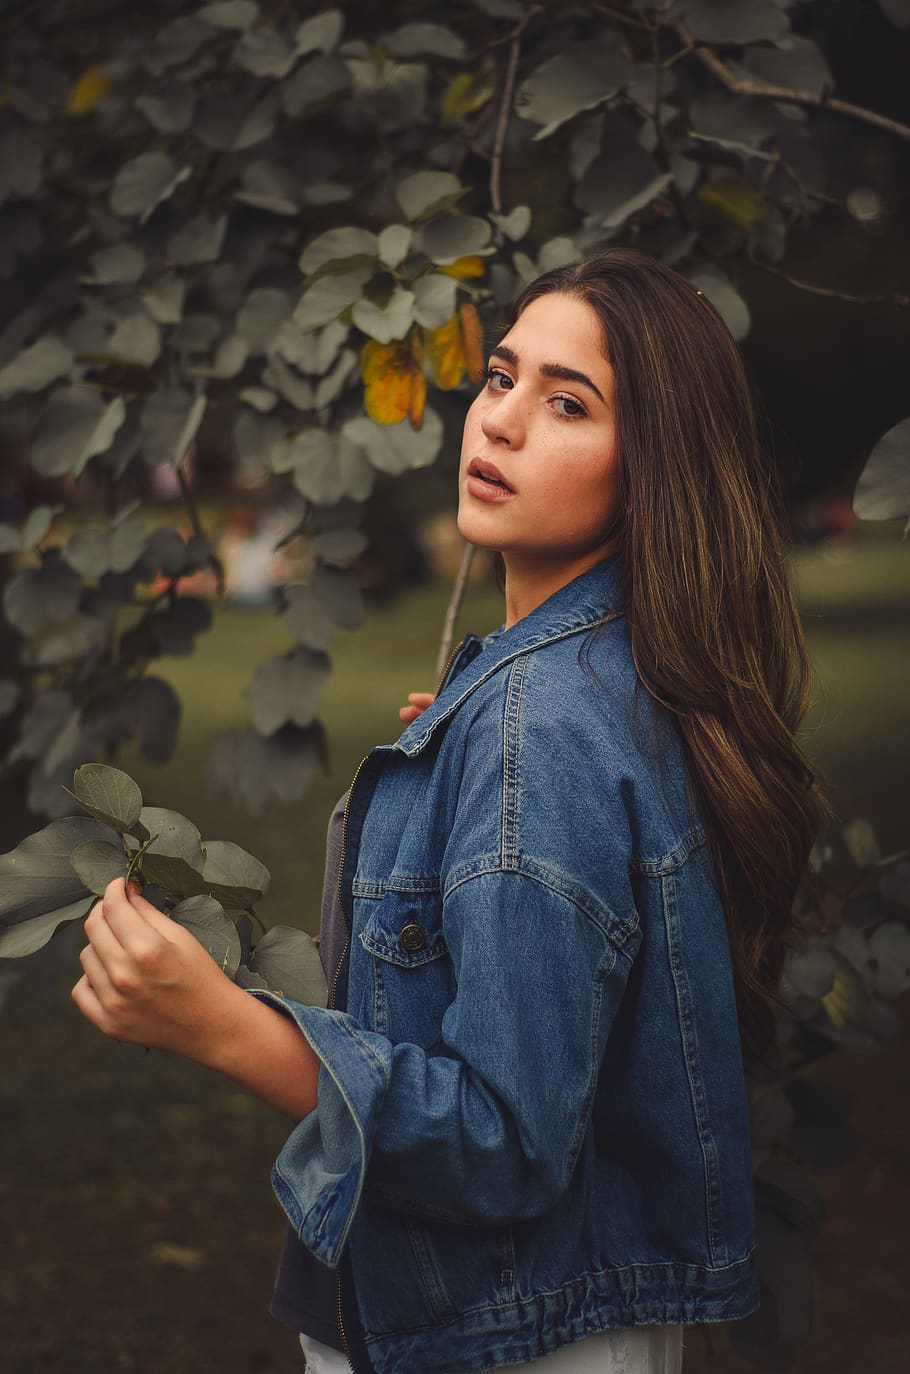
{"x": 368, "y": 887}
{"x": 677, "y": 856}
{"x": 430, "y": 1278}
{"x": 554, "y": 638}
{"x": 510, "y": 763}
{"x": 380, "y": 1017}
{"x": 645, "y": 1271}
{"x": 619, "y": 933}
{"x": 716, "y": 1245}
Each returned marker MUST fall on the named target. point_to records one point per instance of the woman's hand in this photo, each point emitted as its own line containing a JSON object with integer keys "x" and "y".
{"x": 419, "y": 701}
{"x": 148, "y": 981}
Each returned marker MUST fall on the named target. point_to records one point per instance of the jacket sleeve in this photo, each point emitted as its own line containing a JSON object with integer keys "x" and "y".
{"x": 487, "y": 1126}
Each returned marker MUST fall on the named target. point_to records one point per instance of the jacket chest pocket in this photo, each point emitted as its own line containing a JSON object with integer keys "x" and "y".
{"x": 412, "y": 974}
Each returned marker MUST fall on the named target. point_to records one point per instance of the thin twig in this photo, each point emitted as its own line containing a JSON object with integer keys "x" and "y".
{"x": 192, "y": 511}
{"x": 830, "y": 291}
{"x": 663, "y": 149}
{"x": 454, "y": 606}
{"x": 505, "y": 109}
{"x": 764, "y": 91}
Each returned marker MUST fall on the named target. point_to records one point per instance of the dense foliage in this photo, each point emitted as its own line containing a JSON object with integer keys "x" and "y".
{"x": 301, "y": 219}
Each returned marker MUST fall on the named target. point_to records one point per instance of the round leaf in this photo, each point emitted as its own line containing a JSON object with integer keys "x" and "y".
{"x": 229, "y": 14}
{"x": 425, "y": 193}
{"x": 735, "y": 21}
{"x": 576, "y": 79}
{"x": 205, "y": 918}
{"x": 261, "y": 316}
{"x": 233, "y": 876}
{"x": 883, "y": 490}
{"x": 169, "y": 107}
{"x": 418, "y": 40}
{"x": 447, "y": 238}
{"x": 434, "y": 300}
{"x": 726, "y": 300}
{"x": 287, "y": 689}
{"x": 144, "y": 182}
{"x": 396, "y": 448}
{"x": 27, "y": 936}
{"x": 97, "y": 863}
{"x": 328, "y": 297}
{"x": 36, "y": 367}
{"x": 393, "y": 244}
{"x": 109, "y": 794}
{"x": 891, "y": 947}
{"x": 795, "y": 62}
{"x": 37, "y": 877}
{"x": 121, "y": 264}
{"x": 168, "y": 425}
{"x": 338, "y": 245}
{"x": 391, "y": 321}
{"x": 289, "y": 962}
{"x": 320, "y": 33}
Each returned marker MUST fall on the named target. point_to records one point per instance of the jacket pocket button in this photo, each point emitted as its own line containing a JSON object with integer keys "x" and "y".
{"x": 412, "y": 938}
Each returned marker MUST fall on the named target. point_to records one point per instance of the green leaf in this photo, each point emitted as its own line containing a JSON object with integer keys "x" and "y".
{"x": 198, "y": 241}
{"x": 862, "y": 842}
{"x": 287, "y": 689}
{"x": 75, "y": 424}
{"x": 306, "y": 619}
{"x": 426, "y": 193}
{"x": 169, "y": 108}
{"x": 261, "y": 316}
{"x": 170, "y": 420}
{"x": 251, "y": 770}
{"x": 809, "y": 970}
{"x": 233, "y": 876}
{"x": 434, "y": 300}
{"x": 205, "y": 918}
{"x": 515, "y": 224}
{"x": 36, "y": 367}
{"x": 579, "y": 78}
{"x": 320, "y": 33}
{"x": 144, "y": 182}
{"x": 312, "y": 86}
{"x": 136, "y": 340}
{"x": 735, "y": 21}
{"x": 338, "y": 246}
{"x": 397, "y": 448}
{"x": 229, "y": 14}
{"x": 883, "y": 490}
{"x": 109, "y": 794}
{"x": 393, "y": 243}
{"x": 340, "y": 594}
{"x": 176, "y": 625}
{"x": 622, "y": 180}
{"x": 16, "y": 941}
{"x": 424, "y": 40}
{"x": 37, "y": 598}
{"x": 97, "y": 863}
{"x": 264, "y": 52}
{"x": 734, "y": 121}
{"x": 37, "y": 877}
{"x": 326, "y": 467}
{"x": 37, "y": 526}
{"x": 325, "y": 300}
{"x": 121, "y": 264}
{"x": 391, "y": 321}
{"x": 794, "y": 62}
{"x": 268, "y": 186}
{"x": 289, "y": 962}
{"x": 449, "y": 237}
{"x": 175, "y": 857}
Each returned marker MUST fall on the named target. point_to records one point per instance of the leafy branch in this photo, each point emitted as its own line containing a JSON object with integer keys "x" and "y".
{"x": 211, "y": 887}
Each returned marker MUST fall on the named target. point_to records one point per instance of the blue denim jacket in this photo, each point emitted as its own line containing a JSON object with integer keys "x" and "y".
{"x": 532, "y": 1121}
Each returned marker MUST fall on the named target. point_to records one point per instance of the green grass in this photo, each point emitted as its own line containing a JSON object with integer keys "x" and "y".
{"x": 855, "y": 605}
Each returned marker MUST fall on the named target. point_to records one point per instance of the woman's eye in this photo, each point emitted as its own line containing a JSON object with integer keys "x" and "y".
{"x": 571, "y": 409}
{"x": 497, "y": 380}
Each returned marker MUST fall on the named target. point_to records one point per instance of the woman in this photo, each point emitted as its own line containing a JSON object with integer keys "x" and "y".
{"x": 524, "y": 1139}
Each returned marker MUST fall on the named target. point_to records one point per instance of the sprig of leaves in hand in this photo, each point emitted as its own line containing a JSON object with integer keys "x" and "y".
{"x": 211, "y": 887}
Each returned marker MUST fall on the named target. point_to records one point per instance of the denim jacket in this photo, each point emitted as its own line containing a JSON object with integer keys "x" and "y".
{"x": 531, "y": 1119}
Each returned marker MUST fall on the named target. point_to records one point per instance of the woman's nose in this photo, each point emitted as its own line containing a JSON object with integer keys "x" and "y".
{"x": 504, "y": 421}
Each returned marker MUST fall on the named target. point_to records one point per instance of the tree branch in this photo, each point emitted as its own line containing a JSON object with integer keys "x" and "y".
{"x": 192, "y": 511}
{"x": 829, "y": 291}
{"x": 505, "y": 109}
{"x": 454, "y": 606}
{"x": 761, "y": 89}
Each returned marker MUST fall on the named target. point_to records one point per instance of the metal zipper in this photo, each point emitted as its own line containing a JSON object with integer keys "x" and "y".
{"x": 452, "y": 657}
{"x": 344, "y": 1339}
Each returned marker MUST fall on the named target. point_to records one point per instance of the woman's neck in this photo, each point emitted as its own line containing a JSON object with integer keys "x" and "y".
{"x": 529, "y": 582}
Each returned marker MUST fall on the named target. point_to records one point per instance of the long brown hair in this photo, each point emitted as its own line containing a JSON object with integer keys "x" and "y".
{"x": 714, "y": 630}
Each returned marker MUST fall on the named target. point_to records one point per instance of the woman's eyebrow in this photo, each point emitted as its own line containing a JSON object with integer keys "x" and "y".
{"x": 555, "y": 370}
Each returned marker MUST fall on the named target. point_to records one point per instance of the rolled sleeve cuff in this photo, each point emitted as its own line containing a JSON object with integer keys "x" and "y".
{"x": 318, "y": 1176}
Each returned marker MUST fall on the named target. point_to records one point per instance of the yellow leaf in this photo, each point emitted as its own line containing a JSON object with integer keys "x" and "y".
{"x": 465, "y": 94}
{"x": 92, "y": 86}
{"x": 846, "y": 1003}
{"x": 463, "y": 268}
{"x": 472, "y": 334}
{"x": 394, "y": 385}
{"x": 733, "y": 200}
{"x": 445, "y": 353}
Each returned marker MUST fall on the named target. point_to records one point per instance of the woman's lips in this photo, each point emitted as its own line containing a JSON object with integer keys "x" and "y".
{"x": 486, "y": 482}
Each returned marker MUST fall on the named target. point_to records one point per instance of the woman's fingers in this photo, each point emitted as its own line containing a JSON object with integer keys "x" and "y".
{"x": 418, "y": 703}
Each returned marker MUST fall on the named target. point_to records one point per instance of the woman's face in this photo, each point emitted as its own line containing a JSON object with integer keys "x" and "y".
{"x": 538, "y": 480}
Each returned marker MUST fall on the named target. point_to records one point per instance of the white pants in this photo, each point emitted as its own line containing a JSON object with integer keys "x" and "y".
{"x": 642, "y": 1350}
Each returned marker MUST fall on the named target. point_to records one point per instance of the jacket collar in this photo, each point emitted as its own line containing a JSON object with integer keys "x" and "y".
{"x": 589, "y": 600}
